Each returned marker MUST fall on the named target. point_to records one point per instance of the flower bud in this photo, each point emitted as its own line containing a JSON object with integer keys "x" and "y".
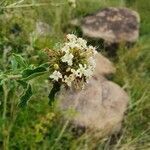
{"x": 56, "y": 67}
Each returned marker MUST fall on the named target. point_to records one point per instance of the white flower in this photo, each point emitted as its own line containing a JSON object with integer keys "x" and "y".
{"x": 82, "y": 42}
{"x": 72, "y": 77}
{"x": 65, "y": 49}
{"x": 92, "y": 62}
{"x": 71, "y": 44}
{"x": 93, "y": 49}
{"x": 75, "y": 72}
{"x": 71, "y": 37}
{"x": 69, "y": 80}
{"x": 88, "y": 72}
{"x": 67, "y": 58}
{"x": 81, "y": 70}
{"x": 56, "y": 75}
{"x": 75, "y": 42}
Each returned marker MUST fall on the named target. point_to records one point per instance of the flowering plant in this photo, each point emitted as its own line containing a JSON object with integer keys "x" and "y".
{"x": 73, "y": 64}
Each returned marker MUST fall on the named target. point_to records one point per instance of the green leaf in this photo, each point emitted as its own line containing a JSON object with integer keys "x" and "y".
{"x": 22, "y": 83}
{"x": 14, "y": 64}
{"x": 19, "y": 60}
{"x": 29, "y": 74}
{"x": 39, "y": 137}
{"x": 2, "y": 81}
{"x": 45, "y": 65}
{"x": 54, "y": 90}
{"x": 25, "y": 96}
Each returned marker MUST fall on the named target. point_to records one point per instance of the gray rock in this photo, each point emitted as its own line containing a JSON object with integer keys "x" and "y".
{"x": 113, "y": 25}
{"x": 99, "y": 107}
{"x": 42, "y": 28}
{"x": 103, "y": 66}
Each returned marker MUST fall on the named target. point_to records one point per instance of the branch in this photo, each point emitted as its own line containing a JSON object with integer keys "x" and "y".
{"x": 30, "y": 5}
{"x": 14, "y": 76}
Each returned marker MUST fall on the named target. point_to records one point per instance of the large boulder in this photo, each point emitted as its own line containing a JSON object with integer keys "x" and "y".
{"x": 113, "y": 25}
{"x": 98, "y": 107}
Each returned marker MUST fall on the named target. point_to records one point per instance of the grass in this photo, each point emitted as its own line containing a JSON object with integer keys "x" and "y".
{"x": 40, "y": 127}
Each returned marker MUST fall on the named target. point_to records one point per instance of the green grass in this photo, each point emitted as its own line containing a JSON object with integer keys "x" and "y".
{"x": 35, "y": 127}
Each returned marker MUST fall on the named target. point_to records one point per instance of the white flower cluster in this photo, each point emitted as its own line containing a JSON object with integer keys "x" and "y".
{"x": 78, "y": 60}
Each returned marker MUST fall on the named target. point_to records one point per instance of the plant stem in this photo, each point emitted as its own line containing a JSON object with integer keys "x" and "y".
{"x": 14, "y": 76}
{"x": 30, "y": 5}
{"x": 5, "y": 132}
{"x": 61, "y": 133}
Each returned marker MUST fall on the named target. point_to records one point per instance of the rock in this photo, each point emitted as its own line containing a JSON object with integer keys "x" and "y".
{"x": 100, "y": 106}
{"x": 103, "y": 66}
{"x": 42, "y": 28}
{"x": 113, "y": 25}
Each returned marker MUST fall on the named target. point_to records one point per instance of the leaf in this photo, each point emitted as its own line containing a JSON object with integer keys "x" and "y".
{"x": 45, "y": 65}
{"x": 54, "y": 90}
{"x": 22, "y": 83}
{"x": 39, "y": 137}
{"x": 25, "y": 96}
{"x": 14, "y": 64}
{"x": 20, "y": 60}
{"x": 29, "y": 74}
{"x": 2, "y": 81}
